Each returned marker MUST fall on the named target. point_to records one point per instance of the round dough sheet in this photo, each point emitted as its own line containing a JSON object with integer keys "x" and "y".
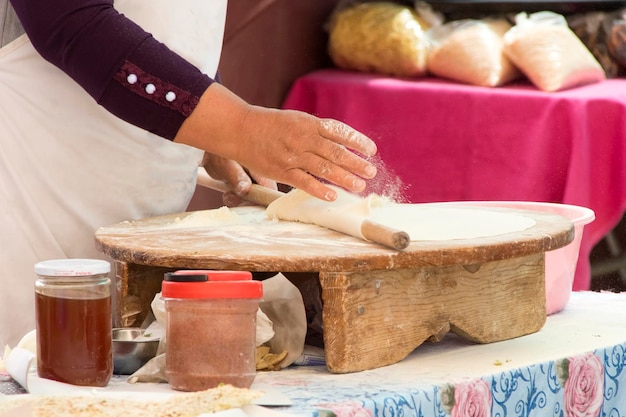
{"x": 432, "y": 222}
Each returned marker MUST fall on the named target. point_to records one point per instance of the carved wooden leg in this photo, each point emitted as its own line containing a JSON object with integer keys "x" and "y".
{"x": 377, "y": 318}
{"x": 135, "y": 288}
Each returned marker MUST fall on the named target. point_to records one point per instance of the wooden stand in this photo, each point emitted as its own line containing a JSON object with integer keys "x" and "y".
{"x": 377, "y": 318}
{"x": 378, "y": 304}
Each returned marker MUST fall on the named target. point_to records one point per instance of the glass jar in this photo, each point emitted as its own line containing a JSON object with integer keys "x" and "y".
{"x": 211, "y": 328}
{"x": 74, "y": 323}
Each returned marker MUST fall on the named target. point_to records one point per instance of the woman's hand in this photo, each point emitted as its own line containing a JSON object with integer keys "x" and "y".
{"x": 290, "y": 147}
{"x": 235, "y": 176}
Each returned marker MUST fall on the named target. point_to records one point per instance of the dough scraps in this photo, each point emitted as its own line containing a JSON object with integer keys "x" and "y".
{"x": 205, "y": 218}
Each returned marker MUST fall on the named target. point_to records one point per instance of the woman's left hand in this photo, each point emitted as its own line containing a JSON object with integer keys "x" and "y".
{"x": 235, "y": 176}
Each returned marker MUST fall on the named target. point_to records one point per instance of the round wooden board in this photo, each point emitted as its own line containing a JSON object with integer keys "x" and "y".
{"x": 261, "y": 244}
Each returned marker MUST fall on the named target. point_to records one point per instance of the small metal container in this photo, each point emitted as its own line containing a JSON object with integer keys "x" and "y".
{"x": 132, "y": 349}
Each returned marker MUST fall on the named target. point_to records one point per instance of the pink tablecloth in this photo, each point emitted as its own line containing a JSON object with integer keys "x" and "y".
{"x": 452, "y": 142}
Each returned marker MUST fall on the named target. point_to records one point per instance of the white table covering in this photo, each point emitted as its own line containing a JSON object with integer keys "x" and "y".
{"x": 519, "y": 377}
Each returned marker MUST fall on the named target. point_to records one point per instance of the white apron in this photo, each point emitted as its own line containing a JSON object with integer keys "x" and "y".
{"x": 67, "y": 166}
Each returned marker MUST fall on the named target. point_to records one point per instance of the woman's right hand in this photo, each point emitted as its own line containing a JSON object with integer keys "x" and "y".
{"x": 288, "y": 146}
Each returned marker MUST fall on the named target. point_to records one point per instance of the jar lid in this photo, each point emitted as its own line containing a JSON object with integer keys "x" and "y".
{"x": 189, "y": 277}
{"x": 209, "y": 284}
{"x": 72, "y": 267}
{"x": 207, "y": 275}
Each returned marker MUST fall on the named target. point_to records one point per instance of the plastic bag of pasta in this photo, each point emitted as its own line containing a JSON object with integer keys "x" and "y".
{"x": 546, "y": 50}
{"x": 470, "y": 51}
{"x": 380, "y": 37}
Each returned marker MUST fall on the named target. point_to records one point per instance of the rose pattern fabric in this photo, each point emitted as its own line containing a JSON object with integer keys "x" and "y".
{"x": 587, "y": 385}
{"x": 583, "y": 388}
{"x": 467, "y": 399}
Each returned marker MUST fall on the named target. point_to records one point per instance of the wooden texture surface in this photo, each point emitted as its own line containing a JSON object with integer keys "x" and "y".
{"x": 377, "y": 318}
{"x": 261, "y": 244}
{"x": 378, "y": 304}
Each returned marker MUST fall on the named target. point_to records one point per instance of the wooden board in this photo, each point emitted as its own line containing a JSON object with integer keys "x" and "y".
{"x": 268, "y": 245}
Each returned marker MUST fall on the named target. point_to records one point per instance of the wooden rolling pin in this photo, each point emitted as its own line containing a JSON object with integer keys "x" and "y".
{"x": 372, "y": 231}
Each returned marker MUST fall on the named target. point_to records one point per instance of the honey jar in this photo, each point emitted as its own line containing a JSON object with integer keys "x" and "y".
{"x": 211, "y": 328}
{"x": 73, "y": 319}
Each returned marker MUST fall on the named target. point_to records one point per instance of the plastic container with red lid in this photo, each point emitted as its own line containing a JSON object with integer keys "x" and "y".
{"x": 211, "y": 328}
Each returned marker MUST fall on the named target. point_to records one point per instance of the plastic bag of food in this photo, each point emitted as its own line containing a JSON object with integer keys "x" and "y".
{"x": 380, "y": 37}
{"x": 470, "y": 51}
{"x": 546, "y": 50}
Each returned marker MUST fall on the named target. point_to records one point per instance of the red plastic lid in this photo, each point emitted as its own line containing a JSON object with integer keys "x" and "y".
{"x": 219, "y": 284}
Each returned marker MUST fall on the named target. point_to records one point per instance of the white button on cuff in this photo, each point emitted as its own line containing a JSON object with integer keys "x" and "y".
{"x": 170, "y": 96}
{"x": 132, "y": 78}
{"x": 150, "y": 88}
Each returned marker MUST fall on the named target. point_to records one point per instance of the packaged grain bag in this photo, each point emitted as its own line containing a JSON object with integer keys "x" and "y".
{"x": 546, "y": 50}
{"x": 379, "y": 37}
{"x": 470, "y": 51}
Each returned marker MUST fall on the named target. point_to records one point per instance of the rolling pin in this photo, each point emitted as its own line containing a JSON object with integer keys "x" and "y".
{"x": 372, "y": 231}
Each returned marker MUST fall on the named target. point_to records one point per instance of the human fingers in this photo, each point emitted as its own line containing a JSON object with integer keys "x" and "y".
{"x": 300, "y": 150}
{"x": 264, "y": 181}
{"x": 340, "y": 166}
{"x": 347, "y": 136}
{"x": 228, "y": 171}
{"x": 237, "y": 178}
{"x": 233, "y": 200}
{"x": 328, "y": 158}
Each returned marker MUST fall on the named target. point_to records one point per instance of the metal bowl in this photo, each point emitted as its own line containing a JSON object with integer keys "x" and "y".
{"x": 132, "y": 349}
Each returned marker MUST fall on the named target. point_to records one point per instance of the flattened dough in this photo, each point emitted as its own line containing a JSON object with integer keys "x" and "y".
{"x": 420, "y": 221}
{"x": 429, "y": 222}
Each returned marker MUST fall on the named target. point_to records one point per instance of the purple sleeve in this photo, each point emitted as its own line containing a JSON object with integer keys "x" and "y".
{"x": 120, "y": 65}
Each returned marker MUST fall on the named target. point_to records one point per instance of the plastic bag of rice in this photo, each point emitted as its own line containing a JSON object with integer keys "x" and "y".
{"x": 379, "y": 37}
{"x": 470, "y": 51}
{"x": 546, "y": 50}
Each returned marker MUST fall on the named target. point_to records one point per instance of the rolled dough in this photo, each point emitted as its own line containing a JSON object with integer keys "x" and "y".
{"x": 420, "y": 221}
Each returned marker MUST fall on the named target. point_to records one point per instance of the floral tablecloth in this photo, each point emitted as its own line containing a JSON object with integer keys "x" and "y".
{"x": 573, "y": 367}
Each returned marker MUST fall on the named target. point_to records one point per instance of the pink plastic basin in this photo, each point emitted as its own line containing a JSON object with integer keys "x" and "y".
{"x": 560, "y": 263}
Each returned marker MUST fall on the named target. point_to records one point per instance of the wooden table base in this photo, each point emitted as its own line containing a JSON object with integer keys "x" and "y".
{"x": 376, "y": 318}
